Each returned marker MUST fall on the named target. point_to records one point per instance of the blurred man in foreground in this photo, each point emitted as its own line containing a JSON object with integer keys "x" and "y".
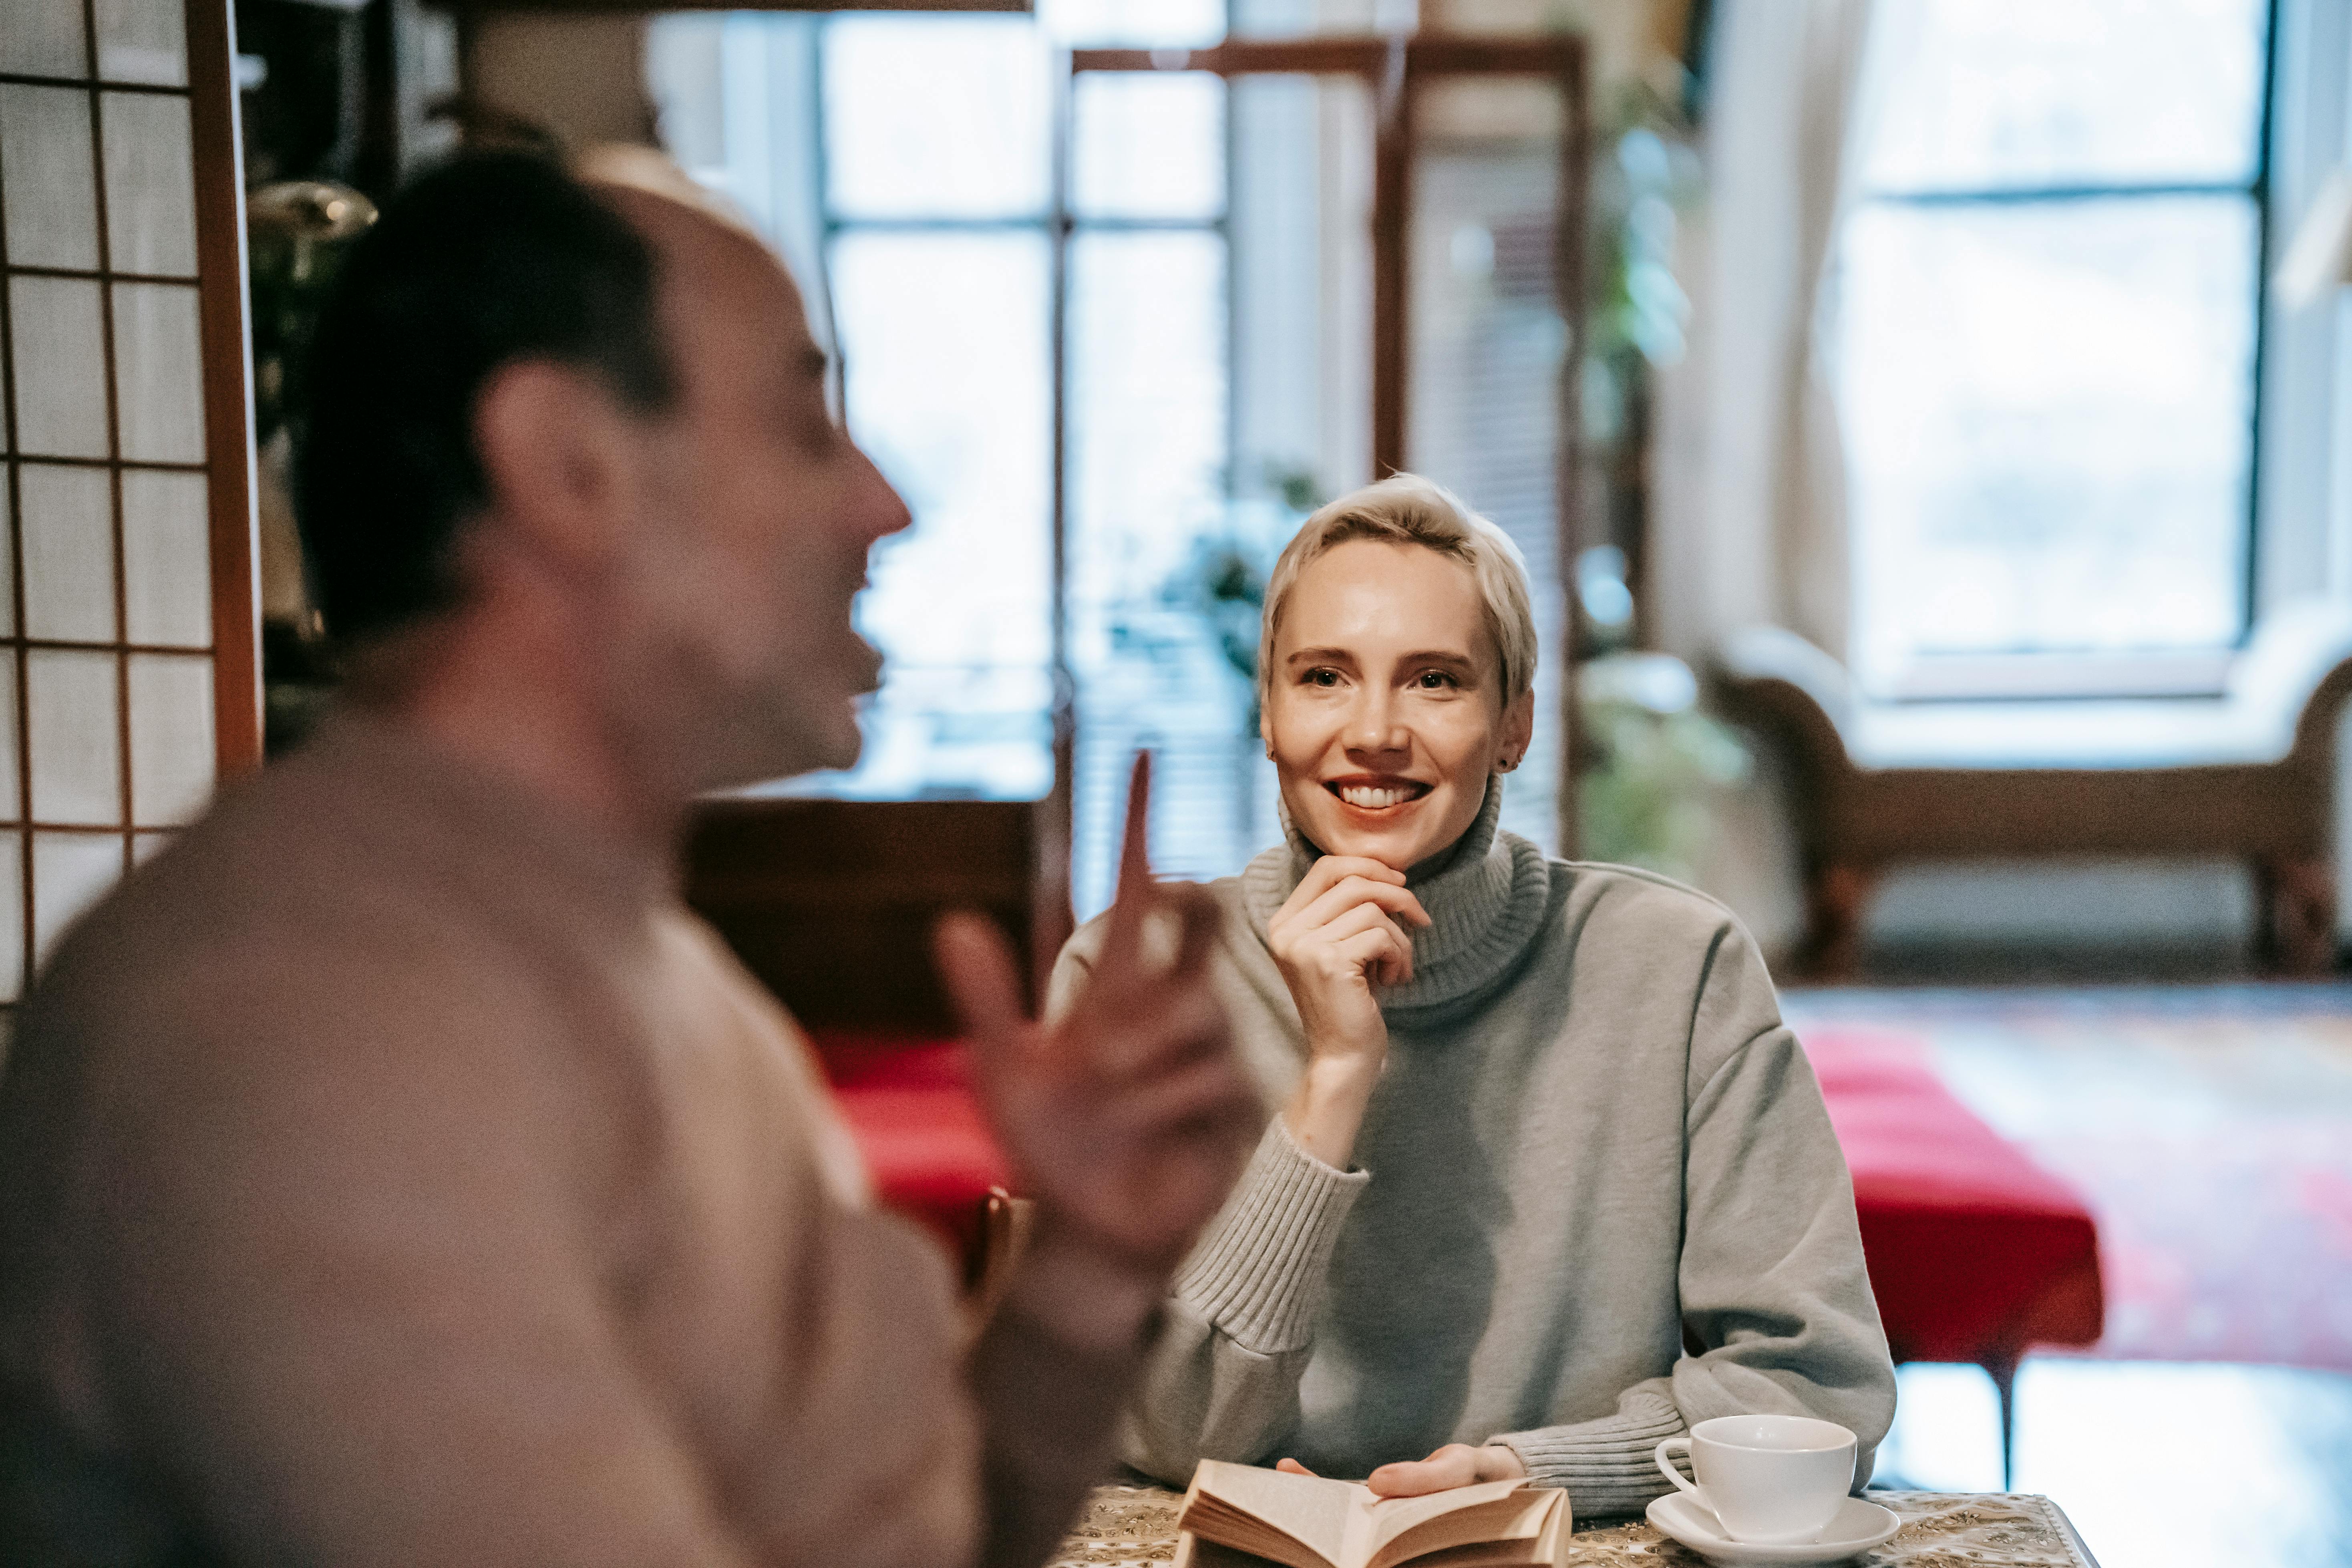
{"x": 392, "y": 1171}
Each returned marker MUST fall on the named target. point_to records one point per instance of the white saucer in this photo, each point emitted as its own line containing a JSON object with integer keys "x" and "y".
{"x": 1856, "y": 1528}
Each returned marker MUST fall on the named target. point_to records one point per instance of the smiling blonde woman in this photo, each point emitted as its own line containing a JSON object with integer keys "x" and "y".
{"x": 1550, "y": 1181}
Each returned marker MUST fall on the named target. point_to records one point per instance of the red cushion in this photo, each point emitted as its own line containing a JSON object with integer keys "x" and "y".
{"x": 1975, "y": 1252}
{"x": 910, "y": 1105}
{"x": 857, "y": 1058}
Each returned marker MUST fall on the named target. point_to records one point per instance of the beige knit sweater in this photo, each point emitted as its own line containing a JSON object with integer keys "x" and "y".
{"x": 1599, "y": 1199}
{"x": 392, "y": 1173}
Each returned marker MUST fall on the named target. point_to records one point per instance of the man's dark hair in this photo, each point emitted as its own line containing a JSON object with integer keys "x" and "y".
{"x": 491, "y": 258}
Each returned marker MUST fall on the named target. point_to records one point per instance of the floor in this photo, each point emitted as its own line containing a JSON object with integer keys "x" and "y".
{"x": 2159, "y": 1466}
{"x": 2175, "y": 1445}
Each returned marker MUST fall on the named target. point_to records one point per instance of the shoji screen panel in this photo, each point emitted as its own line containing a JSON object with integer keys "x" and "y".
{"x": 127, "y": 654}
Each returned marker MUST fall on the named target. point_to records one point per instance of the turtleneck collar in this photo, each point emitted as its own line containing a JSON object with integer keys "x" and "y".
{"x": 1487, "y": 897}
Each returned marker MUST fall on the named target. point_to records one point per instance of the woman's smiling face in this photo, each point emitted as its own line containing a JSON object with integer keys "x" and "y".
{"x": 1385, "y": 713}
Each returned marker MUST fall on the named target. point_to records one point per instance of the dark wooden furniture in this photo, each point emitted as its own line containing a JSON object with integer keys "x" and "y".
{"x": 831, "y": 902}
{"x": 2248, "y": 774}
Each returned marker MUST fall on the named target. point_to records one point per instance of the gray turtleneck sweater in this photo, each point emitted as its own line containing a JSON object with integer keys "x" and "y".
{"x": 1599, "y": 1199}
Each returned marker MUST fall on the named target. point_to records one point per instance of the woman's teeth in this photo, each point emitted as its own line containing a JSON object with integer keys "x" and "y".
{"x": 1372, "y": 799}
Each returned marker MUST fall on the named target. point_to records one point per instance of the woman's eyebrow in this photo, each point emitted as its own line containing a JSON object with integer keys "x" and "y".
{"x": 1325, "y": 655}
{"x": 1440, "y": 656}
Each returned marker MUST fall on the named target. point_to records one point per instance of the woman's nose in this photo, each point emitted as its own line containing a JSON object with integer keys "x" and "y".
{"x": 1373, "y": 725}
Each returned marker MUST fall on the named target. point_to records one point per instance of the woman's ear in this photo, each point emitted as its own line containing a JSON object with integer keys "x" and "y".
{"x": 1266, "y": 726}
{"x": 1517, "y": 732}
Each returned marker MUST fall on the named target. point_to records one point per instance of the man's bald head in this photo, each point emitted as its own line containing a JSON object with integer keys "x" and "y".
{"x": 578, "y": 420}
{"x": 716, "y": 271}
{"x": 490, "y": 259}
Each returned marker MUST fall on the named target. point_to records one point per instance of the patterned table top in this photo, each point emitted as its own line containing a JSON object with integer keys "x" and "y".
{"x": 1133, "y": 1526}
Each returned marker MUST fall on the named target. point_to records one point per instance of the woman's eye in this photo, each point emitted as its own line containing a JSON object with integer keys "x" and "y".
{"x": 1435, "y": 680}
{"x": 1324, "y": 677}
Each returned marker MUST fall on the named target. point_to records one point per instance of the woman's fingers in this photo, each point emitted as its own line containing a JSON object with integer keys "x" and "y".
{"x": 1349, "y": 892}
{"x": 1455, "y": 1465}
{"x": 1393, "y": 957}
{"x": 1331, "y": 870}
{"x": 1292, "y": 1468}
{"x": 1381, "y": 952}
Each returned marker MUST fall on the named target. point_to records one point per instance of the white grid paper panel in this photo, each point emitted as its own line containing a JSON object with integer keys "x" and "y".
{"x": 107, "y": 739}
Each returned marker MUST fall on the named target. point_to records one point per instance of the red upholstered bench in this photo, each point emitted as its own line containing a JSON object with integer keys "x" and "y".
{"x": 1976, "y": 1253}
{"x": 909, "y": 1103}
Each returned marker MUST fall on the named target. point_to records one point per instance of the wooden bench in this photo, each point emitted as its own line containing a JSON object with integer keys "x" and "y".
{"x": 2249, "y": 775}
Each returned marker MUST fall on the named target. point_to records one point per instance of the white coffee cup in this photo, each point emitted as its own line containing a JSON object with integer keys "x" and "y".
{"x": 1770, "y": 1479}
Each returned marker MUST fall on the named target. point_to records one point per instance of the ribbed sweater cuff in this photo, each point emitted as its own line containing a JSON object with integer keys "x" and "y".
{"x": 1608, "y": 1465}
{"x": 1259, "y": 1273}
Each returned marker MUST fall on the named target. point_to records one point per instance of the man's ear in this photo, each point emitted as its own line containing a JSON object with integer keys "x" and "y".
{"x": 559, "y": 457}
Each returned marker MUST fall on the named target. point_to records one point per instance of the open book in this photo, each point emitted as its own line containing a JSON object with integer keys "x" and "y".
{"x": 1239, "y": 1514}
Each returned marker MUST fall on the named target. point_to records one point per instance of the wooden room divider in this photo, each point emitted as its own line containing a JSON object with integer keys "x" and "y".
{"x": 128, "y": 644}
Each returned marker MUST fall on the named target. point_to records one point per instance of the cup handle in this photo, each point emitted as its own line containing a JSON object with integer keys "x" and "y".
{"x": 1673, "y": 1474}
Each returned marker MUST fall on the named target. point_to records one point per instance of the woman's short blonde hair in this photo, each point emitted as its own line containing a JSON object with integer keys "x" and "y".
{"x": 1406, "y": 509}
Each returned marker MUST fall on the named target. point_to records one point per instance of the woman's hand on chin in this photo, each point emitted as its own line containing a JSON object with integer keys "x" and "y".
{"x": 1335, "y": 939}
{"x": 1455, "y": 1465}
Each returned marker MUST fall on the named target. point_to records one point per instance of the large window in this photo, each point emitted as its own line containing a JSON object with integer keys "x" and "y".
{"x": 2048, "y": 329}
{"x": 930, "y": 199}
{"x": 936, "y": 185}
{"x": 1214, "y": 283}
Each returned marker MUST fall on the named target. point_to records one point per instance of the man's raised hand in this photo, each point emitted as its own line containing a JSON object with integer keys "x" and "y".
{"x": 1130, "y": 1119}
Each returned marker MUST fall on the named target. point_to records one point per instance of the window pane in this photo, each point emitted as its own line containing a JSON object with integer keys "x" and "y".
{"x": 143, "y": 41}
{"x": 67, "y": 538}
{"x": 167, "y": 589}
{"x": 1148, "y": 146}
{"x": 44, "y": 37}
{"x": 71, "y": 871}
{"x": 159, "y": 377}
{"x": 59, "y": 361}
{"x": 944, "y": 347}
{"x": 52, "y": 179}
{"x": 150, "y": 186}
{"x": 1133, "y": 24}
{"x": 1149, "y": 516}
{"x": 1487, "y": 345}
{"x": 2050, "y": 415}
{"x": 2009, "y": 93}
{"x": 12, "y": 915}
{"x": 171, "y": 746}
{"x": 936, "y": 118}
{"x": 76, "y": 740}
{"x": 12, "y": 802}
{"x": 7, "y": 553}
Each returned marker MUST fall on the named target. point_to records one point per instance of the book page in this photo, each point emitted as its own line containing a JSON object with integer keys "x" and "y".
{"x": 1309, "y": 1509}
{"x": 1392, "y": 1517}
{"x": 1547, "y": 1549}
{"x": 1406, "y": 1527}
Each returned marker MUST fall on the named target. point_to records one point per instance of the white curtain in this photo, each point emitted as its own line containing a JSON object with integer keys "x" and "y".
{"x": 1749, "y": 518}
